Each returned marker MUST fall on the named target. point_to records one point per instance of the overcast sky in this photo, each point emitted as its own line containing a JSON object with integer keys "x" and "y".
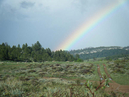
{"x": 51, "y": 21}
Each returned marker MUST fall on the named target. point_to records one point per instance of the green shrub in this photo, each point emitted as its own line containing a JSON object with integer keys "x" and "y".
{"x": 31, "y": 71}
{"x": 60, "y": 69}
{"x": 78, "y": 82}
{"x": 79, "y": 60}
{"x": 16, "y": 93}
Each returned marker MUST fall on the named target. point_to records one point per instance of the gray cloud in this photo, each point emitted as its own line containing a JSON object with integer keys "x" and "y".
{"x": 1, "y": 1}
{"x": 52, "y": 21}
{"x": 9, "y": 12}
{"x": 26, "y": 5}
{"x": 81, "y": 5}
{"x": 91, "y": 5}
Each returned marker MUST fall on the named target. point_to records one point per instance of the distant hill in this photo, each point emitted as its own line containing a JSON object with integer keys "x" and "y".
{"x": 98, "y": 52}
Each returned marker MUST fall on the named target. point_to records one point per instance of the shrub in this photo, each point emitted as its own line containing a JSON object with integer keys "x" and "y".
{"x": 16, "y": 93}
{"x": 78, "y": 82}
{"x": 57, "y": 64}
{"x": 79, "y": 60}
{"x": 31, "y": 71}
{"x": 60, "y": 69}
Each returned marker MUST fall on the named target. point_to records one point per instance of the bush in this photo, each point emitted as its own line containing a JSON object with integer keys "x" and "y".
{"x": 79, "y": 60}
{"x": 16, "y": 93}
{"x": 31, "y": 71}
{"x": 60, "y": 69}
{"x": 78, "y": 82}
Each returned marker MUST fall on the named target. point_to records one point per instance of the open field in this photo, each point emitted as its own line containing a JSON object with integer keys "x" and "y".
{"x": 113, "y": 86}
{"x": 55, "y": 79}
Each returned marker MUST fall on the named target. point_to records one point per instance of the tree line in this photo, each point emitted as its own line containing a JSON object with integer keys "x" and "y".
{"x": 115, "y": 53}
{"x": 34, "y": 53}
{"x": 116, "y": 57}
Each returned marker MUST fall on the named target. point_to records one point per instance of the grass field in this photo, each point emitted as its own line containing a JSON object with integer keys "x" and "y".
{"x": 54, "y": 79}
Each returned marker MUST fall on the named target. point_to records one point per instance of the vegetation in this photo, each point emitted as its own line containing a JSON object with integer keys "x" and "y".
{"x": 116, "y": 57}
{"x": 119, "y": 70}
{"x": 99, "y": 52}
{"x": 38, "y": 72}
{"x": 36, "y": 53}
{"x": 43, "y": 79}
{"x": 54, "y": 79}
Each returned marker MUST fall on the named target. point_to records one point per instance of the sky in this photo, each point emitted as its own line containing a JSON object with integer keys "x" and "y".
{"x": 52, "y": 21}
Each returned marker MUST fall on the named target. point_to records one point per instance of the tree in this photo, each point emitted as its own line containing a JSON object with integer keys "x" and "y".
{"x": 26, "y": 52}
{"x": 37, "y": 46}
{"x": 37, "y": 51}
{"x": 13, "y": 54}
{"x": 3, "y": 52}
{"x": 77, "y": 56}
{"x": 48, "y": 51}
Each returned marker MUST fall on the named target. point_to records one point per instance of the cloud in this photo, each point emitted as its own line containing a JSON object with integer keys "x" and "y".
{"x": 91, "y": 5}
{"x": 1, "y": 1}
{"x": 26, "y": 5}
{"x": 81, "y": 5}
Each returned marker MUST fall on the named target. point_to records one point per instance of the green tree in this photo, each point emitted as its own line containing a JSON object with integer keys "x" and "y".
{"x": 3, "y": 52}
{"x": 13, "y": 53}
{"x": 37, "y": 52}
{"x": 26, "y": 52}
{"x": 77, "y": 56}
{"x": 48, "y": 50}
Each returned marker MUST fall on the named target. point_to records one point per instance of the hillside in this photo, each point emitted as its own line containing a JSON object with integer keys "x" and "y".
{"x": 97, "y": 52}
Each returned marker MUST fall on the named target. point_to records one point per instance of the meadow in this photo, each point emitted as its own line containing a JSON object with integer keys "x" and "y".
{"x": 59, "y": 79}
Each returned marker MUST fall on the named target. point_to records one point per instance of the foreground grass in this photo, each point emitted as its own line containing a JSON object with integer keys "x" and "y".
{"x": 29, "y": 79}
{"x": 119, "y": 77}
{"x": 119, "y": 74}
{"x": 50, "y": 79}
{"x": 45, "y": 88}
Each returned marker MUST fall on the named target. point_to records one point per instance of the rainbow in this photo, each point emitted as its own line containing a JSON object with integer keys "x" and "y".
{"x": 90, "y": 24}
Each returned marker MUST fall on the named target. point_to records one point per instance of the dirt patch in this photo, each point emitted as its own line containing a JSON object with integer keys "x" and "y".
{"x": 98, "y": 69}
{"x": 105, "y": 69}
